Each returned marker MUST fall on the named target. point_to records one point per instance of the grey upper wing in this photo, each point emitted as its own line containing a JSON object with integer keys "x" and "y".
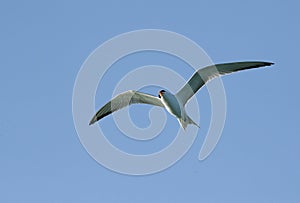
{"x": 204, "y": 75}
{"x": 125, "y": 99}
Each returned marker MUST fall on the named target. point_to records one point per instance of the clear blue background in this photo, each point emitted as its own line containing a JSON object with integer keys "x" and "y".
{"x": 43, "y": 45}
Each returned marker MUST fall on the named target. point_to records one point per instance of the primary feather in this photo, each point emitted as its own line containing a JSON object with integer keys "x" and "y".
{"x": 205, "y": 74}
{"x": 125, "y": 99}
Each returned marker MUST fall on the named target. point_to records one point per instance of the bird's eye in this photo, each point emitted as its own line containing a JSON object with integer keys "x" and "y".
{"x": 160, "y": 93}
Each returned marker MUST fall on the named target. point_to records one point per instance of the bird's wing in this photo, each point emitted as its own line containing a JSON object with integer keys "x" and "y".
{"x": 204, "y": 75}
{"x": 125, "y": 99}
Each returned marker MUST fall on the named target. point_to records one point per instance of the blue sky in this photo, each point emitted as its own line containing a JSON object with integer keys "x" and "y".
{"x": 43, "y": 46}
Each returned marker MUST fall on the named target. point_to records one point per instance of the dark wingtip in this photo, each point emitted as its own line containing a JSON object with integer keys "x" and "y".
{"x": 269, "y": 63}
{"x": 262, "y": 64}
{"x": 92, "y": 121}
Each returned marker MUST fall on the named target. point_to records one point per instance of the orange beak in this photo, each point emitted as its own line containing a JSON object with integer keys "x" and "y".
{"x": 160, "y": 94}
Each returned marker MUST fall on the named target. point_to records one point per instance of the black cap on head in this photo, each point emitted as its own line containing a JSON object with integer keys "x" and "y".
{"x": 161, "y": 93}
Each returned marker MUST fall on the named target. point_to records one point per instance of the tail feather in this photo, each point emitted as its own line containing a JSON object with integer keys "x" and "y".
{"x": 184, "y": 122}
{"x": 192, "y": 122}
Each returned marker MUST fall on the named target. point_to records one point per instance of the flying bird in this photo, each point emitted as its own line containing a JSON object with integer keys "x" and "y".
{"x": 175, "y": 103}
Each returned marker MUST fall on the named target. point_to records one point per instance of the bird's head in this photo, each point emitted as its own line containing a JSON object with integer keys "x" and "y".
{"x": 161, "y": 93}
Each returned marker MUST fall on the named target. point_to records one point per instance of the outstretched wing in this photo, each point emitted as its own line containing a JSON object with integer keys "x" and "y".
{"x": 125, "y": 99}
{"x": 204, "y": 75}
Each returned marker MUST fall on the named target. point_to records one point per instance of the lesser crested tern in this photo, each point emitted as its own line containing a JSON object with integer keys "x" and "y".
{"x": 175, "y": 103}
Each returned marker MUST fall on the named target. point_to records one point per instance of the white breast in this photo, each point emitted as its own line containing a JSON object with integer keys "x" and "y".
{"x": 172, "y": 105}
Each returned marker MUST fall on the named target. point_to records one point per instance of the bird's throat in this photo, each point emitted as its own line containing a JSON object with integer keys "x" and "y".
{"x": 172, "y": 105}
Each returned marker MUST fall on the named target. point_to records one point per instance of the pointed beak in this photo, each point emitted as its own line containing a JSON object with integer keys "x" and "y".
{"x": 160, "y": 94}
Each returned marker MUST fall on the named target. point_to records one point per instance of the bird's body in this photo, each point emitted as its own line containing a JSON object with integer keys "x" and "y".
{"x": 171, "y": 103}
{"x": 175, "y": 103}
{"x": 175, "y": 107}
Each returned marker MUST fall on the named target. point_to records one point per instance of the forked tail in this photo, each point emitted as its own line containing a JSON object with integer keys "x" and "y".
{"x": 184, "y": 122}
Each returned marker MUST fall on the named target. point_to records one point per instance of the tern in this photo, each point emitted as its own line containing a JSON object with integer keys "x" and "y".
{"x": 175, "y": 103}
